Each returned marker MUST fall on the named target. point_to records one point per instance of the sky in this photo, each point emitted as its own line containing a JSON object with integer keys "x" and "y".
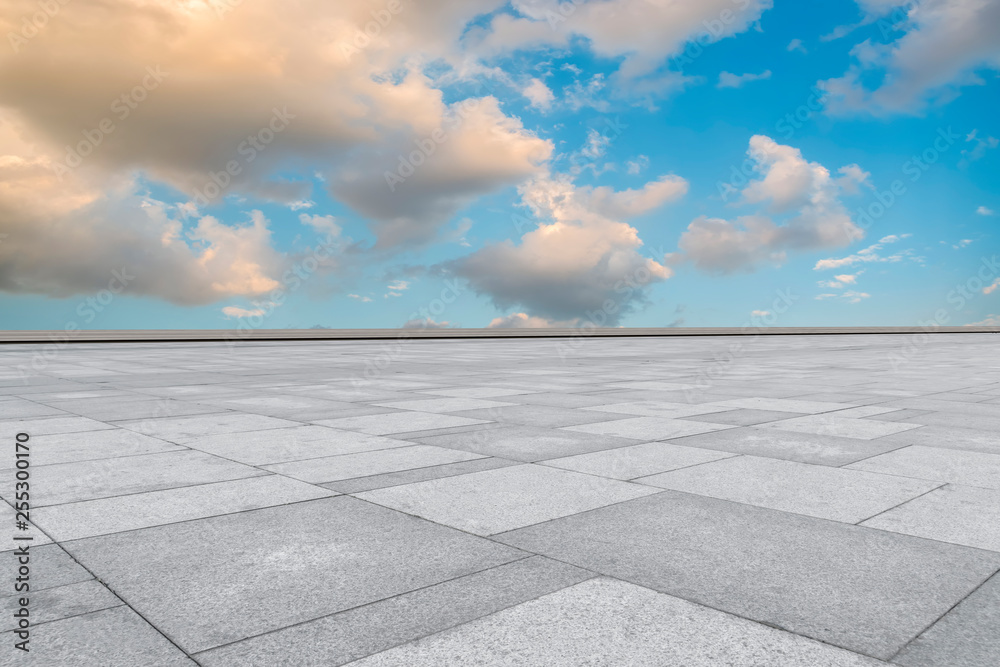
{"x": 217, "y": 164}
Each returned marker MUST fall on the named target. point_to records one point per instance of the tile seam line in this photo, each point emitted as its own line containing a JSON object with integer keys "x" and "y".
{"x": 939, "y": 486}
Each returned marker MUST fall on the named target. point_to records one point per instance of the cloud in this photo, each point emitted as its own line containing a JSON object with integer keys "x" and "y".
{"x": 362, "y": 299}
{"x": 866, "y": 255}
{"x": 428, "y": 323}
{"x": 538, "y": 94}
{"x": 990, "y": 321}
{"x": 979, "y": 148}
{"x": 579, "y": 262}
{"x": 982, "y": 210}
{"x": 637, "y": 165}
{"x": 728, "y": 80}
{"x": 945, "y": 43}
{"x": 235, "y": 312}
{"x": 850, "y": 297}
{"x": 525, "y": 321}
{"x": 796, "y": 45}
{"x": 989, "y": 289}
{"x": 760, "y": 313}
{"x": 790, "y": 186}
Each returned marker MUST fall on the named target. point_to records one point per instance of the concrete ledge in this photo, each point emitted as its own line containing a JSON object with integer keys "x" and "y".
{"x": 201, "y": 335}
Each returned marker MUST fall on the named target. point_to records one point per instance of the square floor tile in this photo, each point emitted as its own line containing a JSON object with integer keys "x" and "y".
{"x": 648, "y": 428}
{"x": 607, "y": 622}
{"x": 743, "y": 417}
{"x": 182, "y": 429}
{"x": 362, "y": 464}
{"x": 637, "y": 460}
{"x": 214, "y": 581}
{"x": 280, "y": 445}
{"x": 837, "y": 494}
{"x": 542, "y": 416}
{"x": 72, "y": 447}
{"x": 493, "y": 501}
{"x": 441, "y": 405}
{"x": 830, "y": 424}
{"x": 665, "y": 409}
{"x": 526, "y": 443}
{"x": 398, "y": 422}
{"x": 838, "y": 583}
{"x": 784, "y": 405}
{"x": 966, "y": 515}
{"x": 944, "y": 465}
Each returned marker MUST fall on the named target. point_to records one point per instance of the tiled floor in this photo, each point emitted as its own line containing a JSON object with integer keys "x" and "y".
{"x": 806, "y": 500}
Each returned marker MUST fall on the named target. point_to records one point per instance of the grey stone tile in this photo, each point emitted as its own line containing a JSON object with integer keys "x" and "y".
{"x": 784, "y": 405}
{"x": 966, "y": 636}
{"x": 181, "y": 429}
{"x": 399, "y": 422}
{"x": 948, "y": 438}
{"x": 831, "y": 424}
{"x": 115, "y": 637}
{"x": 89, "y": 480}
{"x": 637, "y": 460}
{"x": 442, "y": 405}
{"x": 8, "y": 518}
{"x": 215, "y": 581}
{"x": 51, "y": 567}
{"x": 607, "y": 622}
{"x": 966, "y": 515}
{"x": 789, "y": 445}
{"x": 142, "y": 510}
{"x": 16, "y": 408}
{"x": 899, "y": 415}
{"x": 48, "y": 425}
{"x": 89, "y": 445}
{"x": 281, "y": 445}
{"x": 837, "y": 494}
{"x": 648, "y": 428}
{"x": 53, "y": 604}
{"x": 542, "y": 416}
{"x": 557, "y": 400}
{"x": 493, "y": 501}
{"x": 743, "y": 417}
{"x": 665, "y": 409}
{"x": 834, "y": 582}
{"x": 349, "y": 635}
{"x": 526, "y": 443}
{"x": 475, "y": 392}
{"x": 944, "y": 465}
{"x": 388, "y": 479}
{"x": 364, "y": 464}
{"x": 117, "y": 410}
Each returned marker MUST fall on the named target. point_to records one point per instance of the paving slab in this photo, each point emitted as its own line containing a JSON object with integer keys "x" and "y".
{"x": 542, "y": 416}
{"x": 364, "y": 464}
{"x": 219, "y": 580}
{"x": 949, "y": 438}
{"x": 443, "y": 405}
{"x": 88, "y": 445}
{"x": 966, "y": 636}
{"x": 665, "y": 409}
{"x": 944, "y": 465}
{"x": 371, "y": 482}
{"x": 102, "y": 478}
{"x": 743, "y": 417}
{"x": 637, "y": 460}
{"x": 958, "y": 514}
{"x": 115, "y": 637}
{"x": 784, "y": 405}
{"x": 53, "y": 604}
{"x": 837, "y": 494}
{"x": 181, "y": 429}
{"x": 281, "y": 445}
{"x": 399, "y": 422}
{"x": 349, "y": 635}
{"x": 493, "y": 501}
{"x": 834, "y": 582}
{"x": 48, "y": 425}
{"x": 141, "y": 510}
{"x": 608, "y": 622}
{"x": 525, "y": 443}
{"x": 50, "y": 565}
{"x": 648, "y": 428}
{"x": 841, "y": 427}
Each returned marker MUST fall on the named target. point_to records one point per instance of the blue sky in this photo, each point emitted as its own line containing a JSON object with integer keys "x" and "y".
{"x": 621, "y": 163}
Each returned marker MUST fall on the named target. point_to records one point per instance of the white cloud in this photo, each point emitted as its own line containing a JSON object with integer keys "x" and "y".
{"x": 728, "y": 80}
{"x": 866, "y": 255}
{"x": 760, "y": 313}
{"x": 362, "y": 299}
{"x": 982, "y": 210}
{"x": 428, "y": 323}
{"x": 990, "y": 321}
{"x": 538, "y": 94}
{"x": 796, "y": 45}
{"x": 637, "y": 165}
{"x": 791, "y": 186}
{"x": 850, "y": 297}
{"x": 235, "y": 312}
{"x": 579, "y": 262}
{"x": 525, "y": 321}
{"x": 989, "y": 289}
{"x": 979, "y": 148}
{"x": 962, "y": 244}
{"x": 945, "y": 43}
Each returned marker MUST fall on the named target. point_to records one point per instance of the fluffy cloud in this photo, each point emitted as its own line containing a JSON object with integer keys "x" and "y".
{"x": 428, "y": 323}
{"x": 866, "y": 255}
{"x": 802, "y": 191}
{"x": 525, "y": 321}
{"x": 538, "y": 94}
{"x": 579, "y": 262}
{"x": 945, "y": 42}
{"x": 982, "y": 210}
{"x": 729, "y": 80}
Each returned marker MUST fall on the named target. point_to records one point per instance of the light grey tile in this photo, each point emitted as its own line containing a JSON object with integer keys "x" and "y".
{"x": 442, "y": 405}
{"x": 50, "y": 567}
{"x": 784, "y": 405}
{"x": 841, "y": 584}
{"x": 542, "y": 416}
{"x": 966, "y": 636}
{"x": 48, "y": 425}
{"x": 493, "y": 501}
{"x": 89, "y": 480}
{"x": 609, "y": 622}
{"x": 399, "y": 422}
{"x": 648, "y": 428}
{"x": 966, "y": 515}
{"x": 743, "y": 417}
{"x": 388, "y": 479}
{"x": 525, "y": 443}
{"x": 115, "y": 637}
{"x": 73, "y": 447}
{"x": 665, "y": 409}
{"x": 215, "y": 581}
{"x": 837, "y": 494}
{"x": 281, "y": 445}
{"x": 52, "y": 604}
{"x": 349, "y": 635}
{"x": 142, "y": 510}
{"x": 831, "y": 424}
{"x": 181, "y": 429}
{"x": 948, "y": 438}
{"x": 637, "y": 460}
{"x": 363, "y": 464}
{"x": 944, "y": 465}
